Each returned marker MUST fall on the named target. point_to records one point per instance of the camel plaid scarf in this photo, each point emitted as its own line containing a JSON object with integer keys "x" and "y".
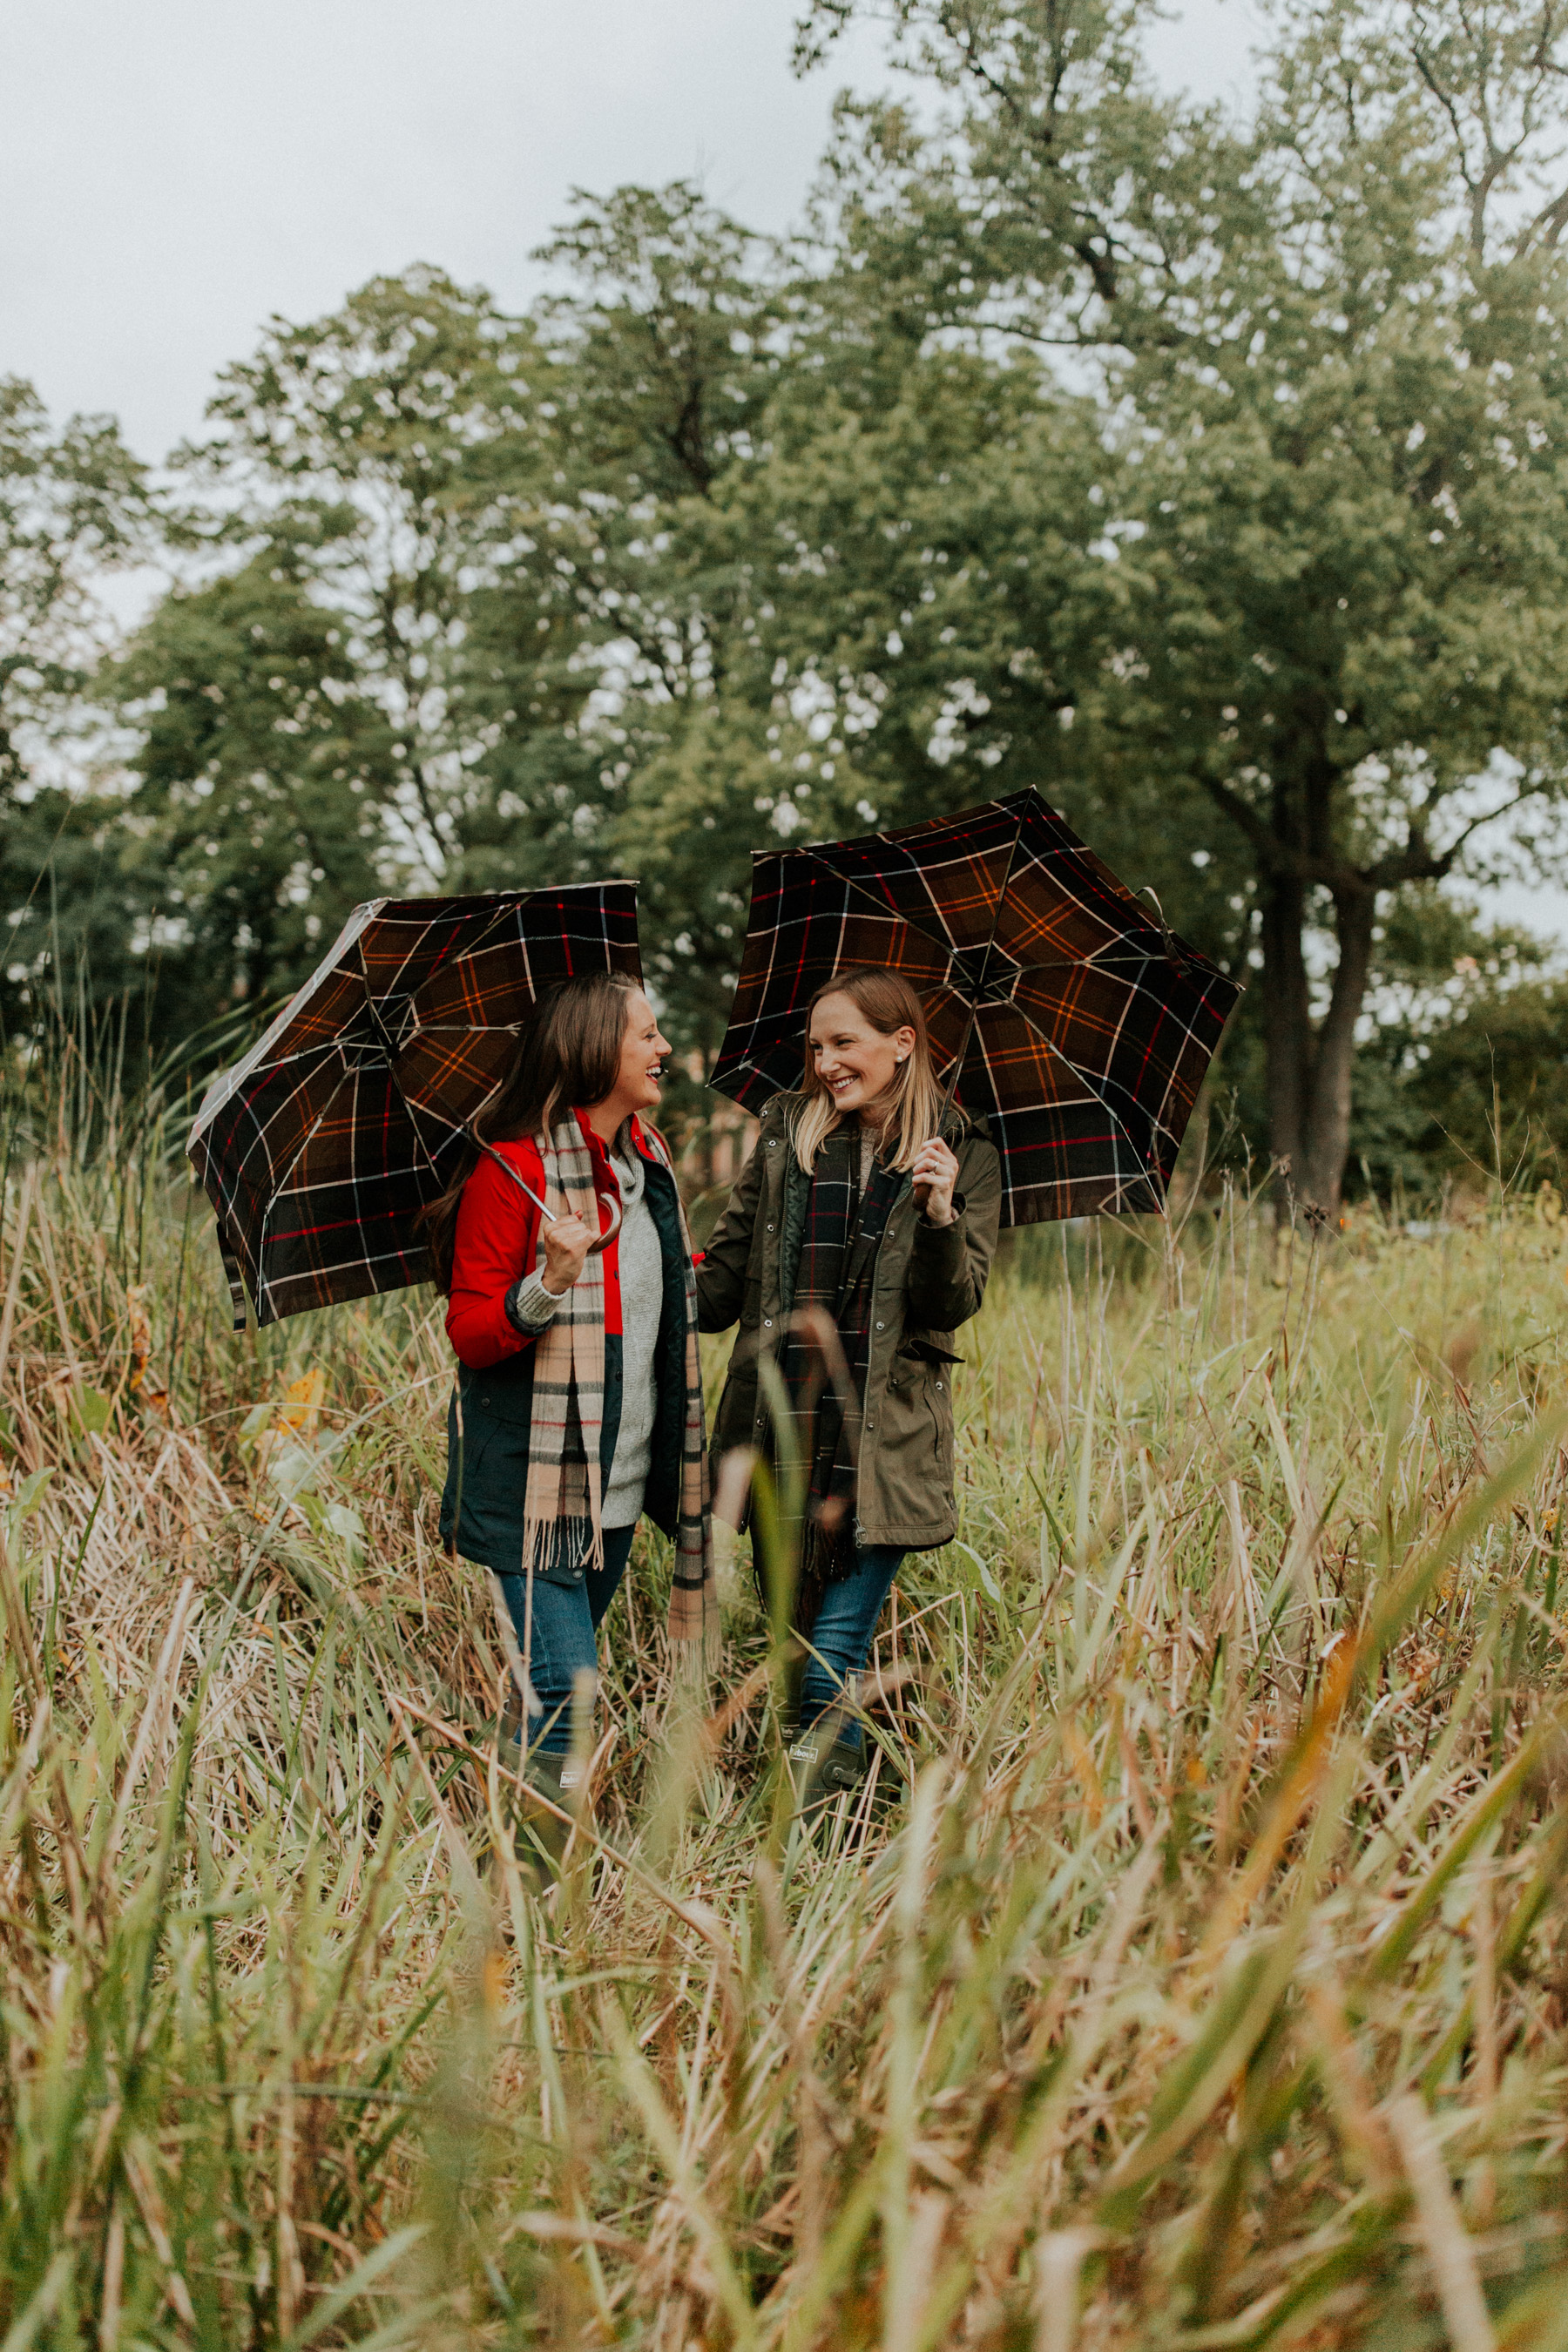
{"x": 565, "y": 1483}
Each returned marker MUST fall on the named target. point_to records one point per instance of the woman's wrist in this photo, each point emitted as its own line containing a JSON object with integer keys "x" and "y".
{"x": 530, "y": 1305}
{"x": 940, "y": 1225}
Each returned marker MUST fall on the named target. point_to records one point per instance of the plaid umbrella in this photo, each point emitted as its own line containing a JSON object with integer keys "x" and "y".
{"x": 1059, "y": 1006}
{"x": 345, "y": 1119}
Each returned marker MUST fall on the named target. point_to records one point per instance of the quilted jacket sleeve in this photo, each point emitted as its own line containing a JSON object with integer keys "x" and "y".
{"x": 949, "y": 1264}
{"x": 722, "y": 1268}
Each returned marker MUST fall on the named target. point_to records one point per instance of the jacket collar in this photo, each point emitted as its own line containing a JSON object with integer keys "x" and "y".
{"x": 598, "y": 1151}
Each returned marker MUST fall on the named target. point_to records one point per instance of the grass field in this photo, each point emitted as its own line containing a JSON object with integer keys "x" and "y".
{"x": 1209, "y": 1985}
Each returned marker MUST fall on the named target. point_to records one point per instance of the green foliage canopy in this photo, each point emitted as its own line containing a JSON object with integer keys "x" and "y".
{"x": 1207, "y": 473}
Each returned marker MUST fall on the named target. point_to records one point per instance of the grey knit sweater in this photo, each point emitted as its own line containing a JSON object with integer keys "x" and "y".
{"x": 642, "y": 1303}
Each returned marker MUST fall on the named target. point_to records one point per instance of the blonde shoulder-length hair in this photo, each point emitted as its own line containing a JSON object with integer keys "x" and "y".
{"x": 914, "y": 1105}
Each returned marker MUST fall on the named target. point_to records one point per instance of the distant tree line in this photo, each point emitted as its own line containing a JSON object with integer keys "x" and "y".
{"x": 1211, "y": 475}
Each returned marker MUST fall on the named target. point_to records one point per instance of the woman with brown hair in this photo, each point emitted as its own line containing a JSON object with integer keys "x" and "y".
{"x": 870, "y": 1202}
{"x": 563, "y": 1251}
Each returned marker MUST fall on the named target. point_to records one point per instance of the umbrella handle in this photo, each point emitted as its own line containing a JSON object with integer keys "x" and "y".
{"x": 595, "y": 1248}
{"x": 615, "y": 1226}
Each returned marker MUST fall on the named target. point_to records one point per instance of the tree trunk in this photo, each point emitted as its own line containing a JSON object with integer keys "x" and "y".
{"x": 1327, "y": 1137}
{"x": 1311, "y": 1071}
{"x": 1287, "y": 1026}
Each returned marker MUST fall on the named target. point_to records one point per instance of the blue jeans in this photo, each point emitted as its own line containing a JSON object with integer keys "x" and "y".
{"x": 846, "y": 1623}
{"x": 561, "y": 1645}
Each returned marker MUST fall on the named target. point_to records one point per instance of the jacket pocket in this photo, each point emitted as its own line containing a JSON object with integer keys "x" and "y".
{"x": 939, "y": 1405}
{"x": 926, "y": 1351}
{"x": 482, "y": 1503}
{"x": 734, "y": 1424}
{"x": 504, "y": 1393}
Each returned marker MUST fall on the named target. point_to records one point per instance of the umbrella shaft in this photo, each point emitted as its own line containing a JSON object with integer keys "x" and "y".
{"x": 523, "y": 1185}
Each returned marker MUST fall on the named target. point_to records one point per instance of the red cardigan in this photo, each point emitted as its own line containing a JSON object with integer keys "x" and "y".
{"x": 498, "y": 1239}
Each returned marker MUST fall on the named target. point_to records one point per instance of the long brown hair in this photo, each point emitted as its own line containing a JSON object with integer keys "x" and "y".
{"x": 568, "y": 1054}
{"x": 914, "y": 1108}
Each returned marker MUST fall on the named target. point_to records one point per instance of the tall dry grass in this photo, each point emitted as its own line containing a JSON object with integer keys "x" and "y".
{"x": 1194, "y": 1973}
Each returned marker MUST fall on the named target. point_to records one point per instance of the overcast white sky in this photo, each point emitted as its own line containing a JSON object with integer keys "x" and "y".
{"x": 174, "y": 171}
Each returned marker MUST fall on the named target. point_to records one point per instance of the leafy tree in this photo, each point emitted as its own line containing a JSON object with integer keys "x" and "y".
{"x": 1464, "y": 1058}
{"x": 928, "y": 545}
{"x": 385, "y": 452}
{"x": 76, "y": 929}
{"x": 264, "y": 771}
{"x": 619, "y": 638}
{"x": 1330, "y": 348}
{"x": 1485, "y": 1091}
{"x": 808, "y": 553}
{"x": 667, "y": 330}
{"x": 1263, "y": 579}
{"x": 73, "y": 506}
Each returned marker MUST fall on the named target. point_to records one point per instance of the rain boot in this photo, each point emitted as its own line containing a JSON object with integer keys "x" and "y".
{"x": 823, "y": 1761}
{"x": 541, "y": 1834}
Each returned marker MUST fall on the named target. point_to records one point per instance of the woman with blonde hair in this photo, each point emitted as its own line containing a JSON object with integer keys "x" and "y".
{"x": 868, "y": 1200}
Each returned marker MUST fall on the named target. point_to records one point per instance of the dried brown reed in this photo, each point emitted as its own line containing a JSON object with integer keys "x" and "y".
{"x": 1193, "y": 1972}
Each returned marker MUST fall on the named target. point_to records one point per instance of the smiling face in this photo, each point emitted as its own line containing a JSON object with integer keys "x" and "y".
{"x": 855, "y": 1062}
{"x": 643, "y": 1056}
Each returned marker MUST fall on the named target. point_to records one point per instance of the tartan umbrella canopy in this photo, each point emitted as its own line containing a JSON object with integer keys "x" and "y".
{"x": 348, "y": 1115}
{"x": 1059, "y": 1008}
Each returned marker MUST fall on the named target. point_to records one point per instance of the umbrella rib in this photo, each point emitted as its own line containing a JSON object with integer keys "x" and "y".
{"x": 257, "y": 1056}
{"x": 471, "y": 947}
{"x": 1084, "y": 1080}
{"x": 853, "y": 882}
{"x": 305, "y": 1140}
{"x": 984, "y": 967}
{"x": 281, "y": 1182}
{"x": 463, "y": 1028}
{"x": 1092, "y": 960}
{"x": 463, "y": 1128}
{"x": 389, "y": 1049}
{"x": 1096, "y": 959}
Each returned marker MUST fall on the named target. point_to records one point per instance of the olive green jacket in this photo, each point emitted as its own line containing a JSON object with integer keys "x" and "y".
{"x": 929, "y": 1279}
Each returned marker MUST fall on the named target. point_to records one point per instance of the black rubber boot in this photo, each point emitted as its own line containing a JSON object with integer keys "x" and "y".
{"x": 541, "y": 1834}
{"x": 824, "y": 1761}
